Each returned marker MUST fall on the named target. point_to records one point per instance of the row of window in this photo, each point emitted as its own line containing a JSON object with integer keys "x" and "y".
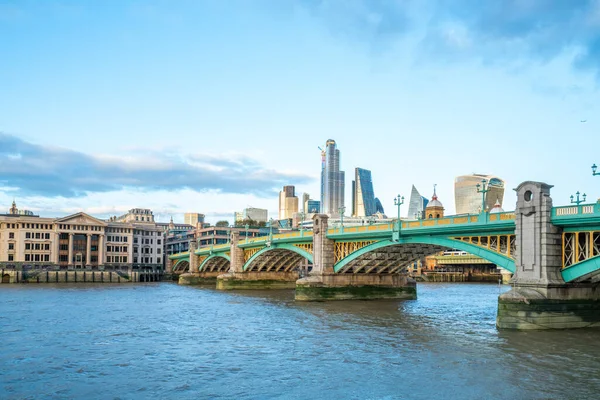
{"x": 80, "y": 227}
{"x": 146, "y": 260}
{"x": 117, "y": 239}
{"x": 146, "y": 233}
{"x": 116, "y": 249}
{"x": 116, "y": 259}
{"x": 36, "y": 257}
{"x": 37, "y": 235}
{"x": 147, "y": 250}
{"x": 36, "y": 246}
{"x": 118, "y": 230}
{"x": 147, "y": 241}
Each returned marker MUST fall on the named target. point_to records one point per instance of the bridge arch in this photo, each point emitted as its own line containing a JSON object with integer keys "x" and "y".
{"x": 181, "y": 265}
{"x": 215, "y": 263}
{"x": 276, "y": 258}
{"x": 390, "y": 256}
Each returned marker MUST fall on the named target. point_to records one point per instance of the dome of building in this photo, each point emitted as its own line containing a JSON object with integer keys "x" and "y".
{"x": 434, "y": 208}
{"x": 497, "y": 208}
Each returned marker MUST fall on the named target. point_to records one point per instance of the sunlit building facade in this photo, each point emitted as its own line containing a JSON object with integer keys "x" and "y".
{"x": 469, "y": 201}
{"x": 288, "y": 202}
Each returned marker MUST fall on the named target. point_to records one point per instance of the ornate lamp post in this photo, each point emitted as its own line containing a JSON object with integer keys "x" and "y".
{"x": 483, "y": 189}
{"x": 594, "y": 168}
{"x": 398, "y": 201}
{"x": 342, "y": 209}
{"x": 578, "y": 201}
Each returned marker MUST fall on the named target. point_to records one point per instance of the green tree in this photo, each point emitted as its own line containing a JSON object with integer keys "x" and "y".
{"x": 222, "y": 224}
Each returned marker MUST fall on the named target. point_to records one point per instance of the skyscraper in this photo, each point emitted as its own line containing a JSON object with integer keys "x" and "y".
{"x": 288, "y": 202}
{"x": 305, "y": 198}
{"x": 332, "y": 180}
{"x": 417, "y": 204}
{"x": 363, "y": 198}
{"x": 468, "y": 200}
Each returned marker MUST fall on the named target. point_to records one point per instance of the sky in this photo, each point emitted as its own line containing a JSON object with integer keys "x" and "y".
{"x": 212, "y": 106}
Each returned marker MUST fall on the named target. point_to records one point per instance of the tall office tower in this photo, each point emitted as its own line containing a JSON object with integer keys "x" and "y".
{"x": 288, "y": 202}
{"x": 416, "y": 204}
{"x": 468, "y": 200}
{"x": 363, "y": 198}
{"x": 193, "y": 218}
{"x": 332, "y": 180}
{"x": 305, "y": 198}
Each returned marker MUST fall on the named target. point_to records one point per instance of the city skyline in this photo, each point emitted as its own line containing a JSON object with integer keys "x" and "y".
{"x": 145, "y": 113}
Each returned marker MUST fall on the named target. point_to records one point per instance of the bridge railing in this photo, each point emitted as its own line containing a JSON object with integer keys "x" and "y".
{"x": 580, "y": 210}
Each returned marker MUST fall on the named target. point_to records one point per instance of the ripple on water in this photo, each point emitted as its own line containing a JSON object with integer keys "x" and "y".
{"x": 167, "y": 341}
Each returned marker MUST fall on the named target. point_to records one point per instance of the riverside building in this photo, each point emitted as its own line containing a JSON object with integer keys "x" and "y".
{"x": 80, "y": 241}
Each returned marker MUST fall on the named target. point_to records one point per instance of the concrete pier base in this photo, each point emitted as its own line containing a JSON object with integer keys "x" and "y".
{"x": 562, "y": 307}
{"x": 257, "y": 280}
{"x": 198, "y": 278}
{"x": 325, "y": 287}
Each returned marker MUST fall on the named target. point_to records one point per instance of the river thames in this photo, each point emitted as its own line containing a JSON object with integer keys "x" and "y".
{"x": 166, "y": 341}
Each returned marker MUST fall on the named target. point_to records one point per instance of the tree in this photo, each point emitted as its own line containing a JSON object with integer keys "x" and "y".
{"x": 222, "y": 224}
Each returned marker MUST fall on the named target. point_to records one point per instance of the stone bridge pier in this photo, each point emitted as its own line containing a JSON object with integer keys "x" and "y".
{"x": 540, "y": 298}
{"x": 323, "y": 283}
{"x": 194, "y": 276}
{"x": 237, "y": 278}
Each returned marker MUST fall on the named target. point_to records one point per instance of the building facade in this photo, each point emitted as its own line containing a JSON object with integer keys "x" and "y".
{"x": 416, "y": 204}
{"x": 434, "y": 208}
{"x": 256, "y": 214}
{"x": 193, "y": 219}
{"x": 288, "y": 202}
{"x": 469, "y": 201}
{"x": 80, "y": 241}
{"x": 332, "y": 180}
{"x": 363, "y": 197}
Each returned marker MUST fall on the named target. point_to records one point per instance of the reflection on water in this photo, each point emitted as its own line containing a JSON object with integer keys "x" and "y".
{"x": 169, "y": 341}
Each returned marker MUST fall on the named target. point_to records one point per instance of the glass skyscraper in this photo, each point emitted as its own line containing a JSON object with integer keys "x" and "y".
{"x": 417, "y": 204}
{"x": 363, "y": 198}
{"x": 468, "y": 200}
{"x": 332, "y": 180}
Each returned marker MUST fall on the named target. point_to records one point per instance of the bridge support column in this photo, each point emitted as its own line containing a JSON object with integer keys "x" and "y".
{"x": 192, "y": 277}
{"x": 239, "y": 279}
{"x": 323, "y": 283}
{"x": 540, "y": 299}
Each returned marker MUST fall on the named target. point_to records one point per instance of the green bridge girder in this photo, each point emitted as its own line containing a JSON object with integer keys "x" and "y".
{"x": 438, "y": 232}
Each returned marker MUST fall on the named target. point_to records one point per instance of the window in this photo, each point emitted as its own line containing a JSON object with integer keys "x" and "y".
{"x": 11, "y": 257}
{"x": 27, "y": 235}
{"x": 158, "y": 260}
{"x": 124, "y": 259}
{"x": 37, "y": 246}
{"x": 158, "y": 241}
{"x": 27, "y": 247}
{"x": 158, "y": 251}
{"x": 125, "y": 239}
{"x": 38, "y": 235}
{"x": 27, "y": 257}
{"x": 47, "y": 236}
{"x": 37, "y": 257}
{"x": 135, "y": 260}
{"x": 11, "y": 246}
{"x": 46, "y": 257}
{"x": 11, "y": 235}
{"x": 47, "y": 246}
{"x": 135, "y": 240}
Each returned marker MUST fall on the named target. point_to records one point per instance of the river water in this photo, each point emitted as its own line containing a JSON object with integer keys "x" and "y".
{"x": 164, "y": 341}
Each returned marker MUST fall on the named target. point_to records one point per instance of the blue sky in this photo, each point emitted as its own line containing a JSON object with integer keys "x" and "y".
{"x": 212, "y": 106}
